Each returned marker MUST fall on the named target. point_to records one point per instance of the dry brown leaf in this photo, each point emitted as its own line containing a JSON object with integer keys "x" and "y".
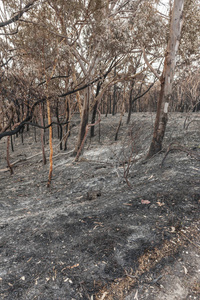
{"x": 70, "y": 267}
{"x": 145, "y": 201}
{"x": 160, "y": 203}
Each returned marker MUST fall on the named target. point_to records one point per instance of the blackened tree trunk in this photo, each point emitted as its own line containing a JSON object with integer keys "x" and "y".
{"x": 130, "y": 103}
{"x": 68, "y": 119}
{"x": 42, "y": 136}
{"x": 84, "y": 120}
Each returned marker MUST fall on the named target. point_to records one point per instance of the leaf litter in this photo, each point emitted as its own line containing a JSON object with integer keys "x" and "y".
{"x": 90, "y": 234}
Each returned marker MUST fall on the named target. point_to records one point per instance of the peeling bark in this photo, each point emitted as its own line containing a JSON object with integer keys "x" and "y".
{"x": 166, "y": 78}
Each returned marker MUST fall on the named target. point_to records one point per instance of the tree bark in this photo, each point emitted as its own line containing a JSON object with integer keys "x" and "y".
{"x": 130, "y": 103}
{"x": 50, "y": 143}
{"x": 114, "y": 95}
{"x": 68, "y": 119}
{"x": 166, "y": 78}
{"x": 95, "y": 110}
{"x": 84, "y": 120}
{"x": 42, "y": 136}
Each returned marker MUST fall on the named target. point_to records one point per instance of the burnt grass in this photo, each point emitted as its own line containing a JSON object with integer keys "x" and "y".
{"x": 90, "y": 229}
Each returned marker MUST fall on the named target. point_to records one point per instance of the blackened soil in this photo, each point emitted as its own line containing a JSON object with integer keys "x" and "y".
{"x": 92, "y": 228}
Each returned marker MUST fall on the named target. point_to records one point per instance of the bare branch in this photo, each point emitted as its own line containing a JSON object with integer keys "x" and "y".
{"x": 18, "y": 15}
{"x": 149, "y": 65}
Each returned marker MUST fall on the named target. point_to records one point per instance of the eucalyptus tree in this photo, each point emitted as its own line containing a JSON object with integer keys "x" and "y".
{"x": 73, "y": 47}
{"x": 98, "y": 35}
{"x": 186, "y": 90}
{"x": 177, "y": 18}
{"x": 10, "y": 14}
{"x": 16, "y": 9}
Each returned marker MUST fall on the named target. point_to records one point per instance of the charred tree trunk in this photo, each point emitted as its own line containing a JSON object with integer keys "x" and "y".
{"x": 130, "y": 103}
{"x": 42, "y": 136}
{"x": 84, "y": 120}
{"x": 59, "y": 126}
{"x": 68, "y": 118}
{"x": 156, "y": 144}
{"x": 122, "y": 112}
{"x": 93, "y": 119}
{"x": 50, "y": 143}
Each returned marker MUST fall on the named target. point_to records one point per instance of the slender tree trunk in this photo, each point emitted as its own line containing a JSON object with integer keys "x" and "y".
{"x": 95, "y": 110}
{"x": 50, "y": 143}
{"x": 93, "y": 119}
{"x": 107, "y": 105}
{"x": 167, "y": 78}
{"x": 122, "y": 112}
{"x": 42, "y": 136}
{"x": 68, "y": 118}
{"x": 130, "y": 103}
{"x": 114, "y": 95}
{"x": 8, "y": 157}
{"x": 12, "y": 146}
{"x": 120, "y": 121}
{"x": 84, "y": 120}
{"x": 43, "y": 116}
{"x": 57, "y": 117}
{"x": 77, "y": 93}
{"x": 156, "y": 144}
{"x": 59, "y": 126}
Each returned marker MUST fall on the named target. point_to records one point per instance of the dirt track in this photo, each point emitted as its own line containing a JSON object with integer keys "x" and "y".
{"x": 91, "y": 236}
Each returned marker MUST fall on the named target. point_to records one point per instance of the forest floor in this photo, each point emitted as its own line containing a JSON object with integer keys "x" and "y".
{"x": 95, "y": 233}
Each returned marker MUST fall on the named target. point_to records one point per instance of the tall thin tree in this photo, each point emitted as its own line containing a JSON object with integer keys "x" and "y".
{"x": 166, "y": 79}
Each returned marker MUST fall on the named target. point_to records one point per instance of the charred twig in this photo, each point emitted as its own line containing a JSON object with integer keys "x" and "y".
{"x": 185, "y": 126}
{"x": 155, "y": 280}
{"x": 126, "y": 172}
{"x": 185, "y": 236}
{"x": 128, "y": 163}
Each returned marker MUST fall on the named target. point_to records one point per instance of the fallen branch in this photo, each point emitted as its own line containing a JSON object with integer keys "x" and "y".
{"x": 186, "y": 126}
{"x": 28, "y": 158}
{"x": 178, "y": 147}
{"x": 185, "y": 236}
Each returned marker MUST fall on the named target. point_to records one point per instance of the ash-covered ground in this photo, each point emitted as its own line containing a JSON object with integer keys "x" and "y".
{"x": 111, "y": 226}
